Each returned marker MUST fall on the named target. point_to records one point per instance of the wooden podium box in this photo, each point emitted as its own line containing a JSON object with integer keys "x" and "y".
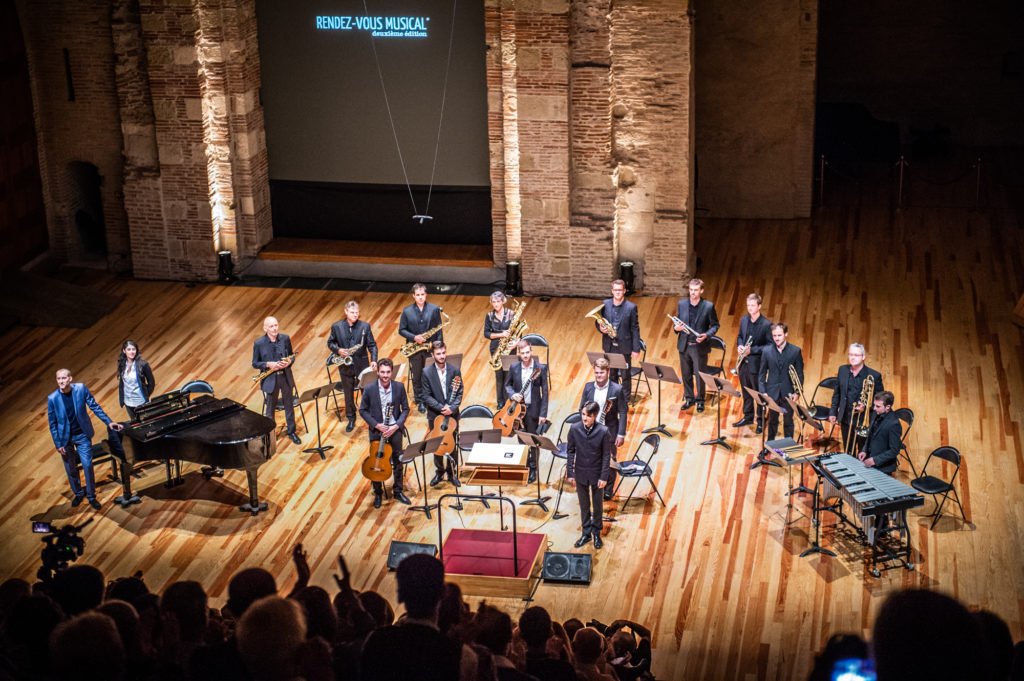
{"x": 497, "y": 463}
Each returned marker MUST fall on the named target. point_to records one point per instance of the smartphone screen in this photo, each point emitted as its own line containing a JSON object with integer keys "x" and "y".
{"x": 853, "y": 669}
{"x": 42, "y": 528}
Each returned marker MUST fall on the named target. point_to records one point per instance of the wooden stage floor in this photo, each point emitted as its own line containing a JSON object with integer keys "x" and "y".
{"x": 716, "y": 573}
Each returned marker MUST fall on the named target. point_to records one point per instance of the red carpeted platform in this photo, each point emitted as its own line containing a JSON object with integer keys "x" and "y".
{"x": 481, "y": 561}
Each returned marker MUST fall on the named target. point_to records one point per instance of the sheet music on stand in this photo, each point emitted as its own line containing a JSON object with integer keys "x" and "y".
{"x": 790, "y": 451}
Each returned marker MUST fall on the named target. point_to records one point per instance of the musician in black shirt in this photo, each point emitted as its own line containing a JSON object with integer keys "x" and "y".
{"x": 846, "y": 397}
{"x": 885, "y": 434}
{"x": 418, "y": 318}
{"x": 625, "y": 319}
{"x": 774, "y": 378}
{"x": 756, "y": 336}
{"x": 347, "y": 334}
{"x": 496, "y": 327}
{"x": 699, "y": 315}
{"x": 272, "y": 351}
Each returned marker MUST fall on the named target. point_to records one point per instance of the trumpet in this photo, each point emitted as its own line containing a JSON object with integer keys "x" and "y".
{"x": 676, "y": 321}
{"x": 412, "y": 347}
{"x": 346, "y": 360}
{"x": 266, "y": 372}
{"x": 859, "y": 421}
{"x": 741, "y": 355}
{"x": 516, "y": 329}
{"x": 602, "y": 323}
{"x": 798, "y": 387}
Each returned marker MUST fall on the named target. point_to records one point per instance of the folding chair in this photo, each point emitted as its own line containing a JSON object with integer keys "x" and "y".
{"x": 562, "y": 444}
{"x": 331, "y": 379}
{"x": 638, "y": 375}
{"x": 905, "y": 415}
{"x": 930, "y": 484}
{"x": 638, "y": 468}
{"x": 820, "y": 411}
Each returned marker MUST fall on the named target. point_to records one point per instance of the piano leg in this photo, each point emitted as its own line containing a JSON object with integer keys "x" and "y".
{"x": 255, "y": 505}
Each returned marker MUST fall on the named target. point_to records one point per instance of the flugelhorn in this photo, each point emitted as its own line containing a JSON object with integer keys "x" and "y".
{"x": 676, "y": 321}
{"x": 742, "y": 356}
{"x": 602, "y": 323}
{"x": 266, "y": 372}
{"x": 412, "y": 347}
{"x": 516, "y": 330}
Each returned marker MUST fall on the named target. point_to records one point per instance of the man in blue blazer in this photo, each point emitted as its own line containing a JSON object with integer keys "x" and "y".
{"x": 587, "y": 464}
{"x": 699, "y": 315}
{"x": 376, "y": 397}
{"x": 269, "y": 352}
{"x": 611, "y": 401}
{"x": 72, "y": 432}
{"x": 625, "y": 319}
{"x": 535, "y": 399}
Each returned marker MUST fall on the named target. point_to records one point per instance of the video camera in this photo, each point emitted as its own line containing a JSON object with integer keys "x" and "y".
{"x": 63, "y": 546}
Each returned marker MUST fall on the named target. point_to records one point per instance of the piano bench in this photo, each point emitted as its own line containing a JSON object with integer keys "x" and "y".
{"x": 101, "y": 454}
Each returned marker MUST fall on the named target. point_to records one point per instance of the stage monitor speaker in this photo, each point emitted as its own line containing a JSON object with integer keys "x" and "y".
{"x": 566, "y": 567}
{"x": 400, "y": 549}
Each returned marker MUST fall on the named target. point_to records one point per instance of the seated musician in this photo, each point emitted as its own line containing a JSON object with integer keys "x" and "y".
{"x": 846, "y": 398}
{"x": 271, "y": 351}
{"x": 377, "y": 397}
{"x": 884, "y": 436}
{"x": 347, "y": 334}
{"x": 442, "y": 394}
{"x": 612, "y": 401}
{"x": 535, "y": 399}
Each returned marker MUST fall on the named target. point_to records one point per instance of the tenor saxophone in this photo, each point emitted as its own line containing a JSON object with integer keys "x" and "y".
{"x": 412, "y": 347}
{"x": 602, "y": 323}
{"x": 516, "y": 330}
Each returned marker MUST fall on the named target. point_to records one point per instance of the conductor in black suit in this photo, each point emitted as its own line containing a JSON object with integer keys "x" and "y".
{"x": 587, "y": 463}
{"x": 774, "y": 378}
{"x": 625, "y": 319}
{"x": 269, "y": 352}
{"x": 699, "y": 315}
{"x": 884, "y": 436}
{"x": 442, "y": 393}
{"x": 346, "y": 334}
{"x": 535, "y": 399}
{"x": 377, "y": 397}
{"x": 418, "y": 318}
{"x": 846, "y": 398}
{"x": 611, "y": 401}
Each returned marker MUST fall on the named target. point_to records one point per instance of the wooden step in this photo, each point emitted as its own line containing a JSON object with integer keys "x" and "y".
{"x": 326, "y": 250}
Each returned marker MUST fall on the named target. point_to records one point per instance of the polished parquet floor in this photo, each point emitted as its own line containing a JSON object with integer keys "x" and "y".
{"x": 716, "y": 573}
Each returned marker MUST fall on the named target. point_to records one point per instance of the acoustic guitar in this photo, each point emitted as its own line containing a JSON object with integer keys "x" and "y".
{"x": 512, "y": 411}
{"x": 444, "y": 425}
{"x": 377, "y": 466}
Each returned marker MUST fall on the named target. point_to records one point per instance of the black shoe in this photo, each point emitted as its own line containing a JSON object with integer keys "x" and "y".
{"x": 533, "y": 476}
{"x": 436, "y": 480}
{"x": 295, "y": 438}
{"x": 454, "y": 479}
{"x": 608, "y": 494}
{"x": 745, "y": 421}
{"x": 422, "y": 408}
{"x": 95, "y": 504}
{"x": 401, "y": 497}
{"x": 759, "y": 429}
{"x": 77, "y": 500}
{"x": 686, "y": 405}
{"x": 585, "y": 539}
{"x": 597, "y": 541}
{"x": 700, "y": 406}
{"x": 376, "y": 501}
{"x": 351, "y": 425}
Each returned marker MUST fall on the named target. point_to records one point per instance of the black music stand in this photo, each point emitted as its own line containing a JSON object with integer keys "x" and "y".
{"x": 816, "y": 510}
{"x": 315, "y": 394}
{"x": 721, "y": 386}
{"x": 806, "y": 419}
{"x": 660, "y": 373}
{"x": 540, "y": 442}
{"x": 767, "y": 403}
{"x": 468, "y": 438}
{"x": 415, "y": 451}
{"x": 453, "y": 360}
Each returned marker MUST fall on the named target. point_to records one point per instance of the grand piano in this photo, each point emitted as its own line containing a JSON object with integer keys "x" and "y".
{"x": 217, "y": 433}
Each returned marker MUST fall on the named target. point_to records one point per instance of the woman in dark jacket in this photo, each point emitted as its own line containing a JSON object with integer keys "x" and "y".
{"x": 134, "y": 378}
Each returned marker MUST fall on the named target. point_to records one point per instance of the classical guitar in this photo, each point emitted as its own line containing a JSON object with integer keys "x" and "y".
{"x": 377, "y": 466}
{"x": 512, "y": 411}
{"x": 444, "y": 425}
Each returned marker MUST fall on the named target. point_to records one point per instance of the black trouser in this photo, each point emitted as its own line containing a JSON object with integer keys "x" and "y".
{"x": 452, "y": 459}
{"x": 349, "y": 378}
{"x": 612, "y": 475}
{"x": 531, "y": 423}
{"x": 285, "y": 389}
{"x": 748, "y": 379}
{"x": 131, "y": 411}
{"x": 416, "y": 363}
{"x": 591, "y": 498}
{"x": 691, "y": 360}
{"x": 398, "y": 469}
{"x": 773, "y": 420}
{"x": 624, "y": 376}
{"x": 499, "y": 387}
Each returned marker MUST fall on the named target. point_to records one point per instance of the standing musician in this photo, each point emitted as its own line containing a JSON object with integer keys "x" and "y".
{"x": 442, "y": 400}
{"x": 758, "y": 330}
{"x": 587, "y": 464}
{"x": 699, "y": 315}
{"x": 346, "y": 334}
{"x": 417, "y": 318}
{"x": 612, "y": 401}
{"x": 535, "y": 400}
{"x": 134, "y": 378}
{"x": 775, "y": 380}
{"x": 376, "y": 398}
{"x": 269, "y": 352}
{"x": 625, "y": 319}
{"x": 885, "y": 434}
{"x": 496, "y": 327}
{"x": 846, "y": 398}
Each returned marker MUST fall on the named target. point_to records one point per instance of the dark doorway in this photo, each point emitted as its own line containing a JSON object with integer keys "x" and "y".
{"x": 87, "y": 203}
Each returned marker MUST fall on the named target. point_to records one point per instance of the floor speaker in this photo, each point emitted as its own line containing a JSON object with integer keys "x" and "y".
{"x": 400, "y": 549}
{"x": 566, "y": 567}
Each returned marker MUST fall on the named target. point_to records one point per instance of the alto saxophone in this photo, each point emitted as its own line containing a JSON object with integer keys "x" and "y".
{"x": 346, "y": 360}
{"x": 798, "y": 387}
{"x": 412, "y": 347}
{"x": 266, "y": 372}
{"x": 516, "y": 330}
{"x": 859, "y": 421}
{"x": 602, "y": 323}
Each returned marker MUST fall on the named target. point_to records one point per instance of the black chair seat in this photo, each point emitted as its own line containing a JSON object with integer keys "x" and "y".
{"x": 929, "y": 484}
{"x": 820, "y": 412}
{"x": 636, "y": 468}
{"x": 560, "y": 453}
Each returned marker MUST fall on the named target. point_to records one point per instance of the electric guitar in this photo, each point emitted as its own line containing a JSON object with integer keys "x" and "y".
{"x": 512, "y": 411}
{"x": 377, "y": 466}
{"x": 444, "y": 425}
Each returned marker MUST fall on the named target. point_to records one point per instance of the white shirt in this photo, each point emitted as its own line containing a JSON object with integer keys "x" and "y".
{"x": 526, "y": 372}
{"x": 601, "y": 396}
{"x": 132, "y": 390}
{"x": 442, "y": 376}
{"x": 385, "y": 402}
